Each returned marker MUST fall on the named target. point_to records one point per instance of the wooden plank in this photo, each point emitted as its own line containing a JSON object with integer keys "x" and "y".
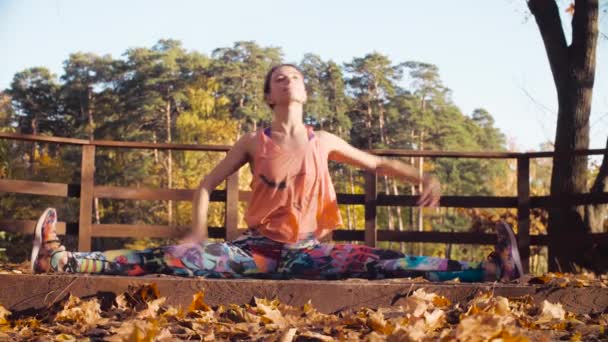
{"x": 481, "y": 201}
{"x": 225, "y": 148}
{"x": 155, "y": 194}
{"x": 451, "y": 201}
{"x": 43, "y": 138}
{"x": 152, "y": 194}
{"x": 244, "y": 196}
{"x": 34, "y": 292}
{"x": 37, "y": 188}
{"x": 439, "y": 237}
{"x": 443, "y": 154}
{"x": 348, "y": 235}
{"x": 523, "y": 211}
{"x": 27, "y": 226}
{"x": 232, "y": 206}
{"x": 550, "y": 154}
{"x": 149, "y": 231}
{"x": 370, "y": 209}
{"x": 87, "y": 174}
{"x": 161, "y": 146}
{"x": 567, "y": 200}
{"x": 479, "y": 155}
{"x": 139, "y": 230}
{"x": 351, "y": 199}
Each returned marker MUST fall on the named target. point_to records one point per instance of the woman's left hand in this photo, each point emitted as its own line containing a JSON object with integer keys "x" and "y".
{"x": 431, "y": 192}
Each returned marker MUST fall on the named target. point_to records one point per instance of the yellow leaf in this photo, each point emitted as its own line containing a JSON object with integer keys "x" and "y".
{"x": 198, "y": 303}
{"x": 65, "y": 337}
{"x": 3, "y": 315}
{"x": 136, "y": 331}
{"x": 441, "y": 301}
{"x": 270, "y": 314}
{"x": 174, "y": 312}
{"x": 85, "y": 314}
{"x": 377, "y": 322}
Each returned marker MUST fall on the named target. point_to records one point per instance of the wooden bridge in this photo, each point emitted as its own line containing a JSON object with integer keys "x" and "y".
{"x": 25, "y": 292}
{"x": 87, "y": 190}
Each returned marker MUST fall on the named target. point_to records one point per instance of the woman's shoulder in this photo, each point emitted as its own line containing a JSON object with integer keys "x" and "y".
{"x": 326, "y": 137}
{"x": 248, "y": 143}
{"x": 322, "y": 134}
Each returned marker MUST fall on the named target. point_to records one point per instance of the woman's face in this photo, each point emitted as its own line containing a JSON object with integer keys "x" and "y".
{"x": 286, "y": 86}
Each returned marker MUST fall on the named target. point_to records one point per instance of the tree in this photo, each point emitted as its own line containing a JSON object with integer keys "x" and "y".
{"x": 85, "y": 75}
{"x": 373, "y": 81}
{"x": 34, "y": 94}
{"x": 241, "y": 70}
{"x": 573, "y": 69}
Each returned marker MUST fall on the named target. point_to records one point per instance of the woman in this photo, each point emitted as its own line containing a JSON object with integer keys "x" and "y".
{"x": 293, "y": 205}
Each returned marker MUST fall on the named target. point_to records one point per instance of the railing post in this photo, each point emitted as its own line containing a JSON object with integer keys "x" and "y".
{"x": 523, "y": 210}
{"x": 232, "y": 206}
{"x": 87, "y": 173}
{"x": 371, "y": 235}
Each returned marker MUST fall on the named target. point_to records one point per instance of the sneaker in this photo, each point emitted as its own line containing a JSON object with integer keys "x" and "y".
{"x": 506, "y": 254}
{"x": 45, "y": 241}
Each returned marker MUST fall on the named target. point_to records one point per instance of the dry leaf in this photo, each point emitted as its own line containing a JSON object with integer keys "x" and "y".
{"x": 288, "y": 335}
{"x": 152, "y": 310}
{"x": 198, "y": 303}
{"x": 4, "y": 314}
{"x": 550, "y": 312}
{"x": 85, "y": 314}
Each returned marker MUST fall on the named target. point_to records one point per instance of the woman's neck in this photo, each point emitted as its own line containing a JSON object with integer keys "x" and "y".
{"x": 288, "y": 119}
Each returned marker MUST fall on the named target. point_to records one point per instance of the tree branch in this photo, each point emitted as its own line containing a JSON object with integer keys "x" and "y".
{"x": 584, "y": 34}
{"x": 546, "y": 14}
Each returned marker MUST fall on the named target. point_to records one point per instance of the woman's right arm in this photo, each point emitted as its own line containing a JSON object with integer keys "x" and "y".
{"x": 235, "y": 158}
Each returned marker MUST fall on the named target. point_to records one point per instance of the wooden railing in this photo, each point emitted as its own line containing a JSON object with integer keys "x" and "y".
{"x": 87, "y": 190}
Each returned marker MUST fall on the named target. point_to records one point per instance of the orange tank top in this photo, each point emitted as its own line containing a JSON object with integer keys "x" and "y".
{"x": 292, "y": 192}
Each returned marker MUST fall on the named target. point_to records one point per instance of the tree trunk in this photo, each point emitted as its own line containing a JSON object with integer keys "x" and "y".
{"x": 351, "y": 213}
{"x": 412, "y": 186}
{"x": 573, "y": 69}
{"x": 169, "y": 162}
{"x": 399, "y": 217}
{"x": 595, "y": 214}
{"x": 91, "y": 121}
{"x": 34, "y": 149}
{"x": 154, "y": 140}
{"x": 420, "y": 209}
{"x": 91, "y": 131}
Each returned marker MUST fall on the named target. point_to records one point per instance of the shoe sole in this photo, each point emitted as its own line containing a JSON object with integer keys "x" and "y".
{"x": 514, "y": 248}
{"x": 37, "y": 243}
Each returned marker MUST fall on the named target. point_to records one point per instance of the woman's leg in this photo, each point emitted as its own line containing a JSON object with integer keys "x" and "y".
{"x": 220, "y": 260}
{"x": 336, "y": 261}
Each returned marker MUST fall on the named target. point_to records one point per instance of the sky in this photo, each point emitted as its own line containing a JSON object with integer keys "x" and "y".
{"x": 489, "y": 53}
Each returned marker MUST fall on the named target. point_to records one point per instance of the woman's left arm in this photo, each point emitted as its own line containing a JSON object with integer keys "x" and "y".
{"x": 342, "y": 152}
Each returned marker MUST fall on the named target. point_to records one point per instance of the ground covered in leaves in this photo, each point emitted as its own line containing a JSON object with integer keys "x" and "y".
{"x": 142, "y": 315}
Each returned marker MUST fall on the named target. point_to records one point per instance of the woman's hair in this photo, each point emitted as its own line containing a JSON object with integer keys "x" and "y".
{"x": 269, "y": 77}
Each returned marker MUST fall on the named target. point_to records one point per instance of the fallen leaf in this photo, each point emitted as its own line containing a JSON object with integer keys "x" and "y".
{"x": 550, "y": 312}
{"x": 85, "y": 314}
{"x": 198, "y": 303}
{"x": 4, "y": 313}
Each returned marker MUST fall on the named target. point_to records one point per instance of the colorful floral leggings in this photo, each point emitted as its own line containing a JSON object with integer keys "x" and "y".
{"x": 255, "y": 256}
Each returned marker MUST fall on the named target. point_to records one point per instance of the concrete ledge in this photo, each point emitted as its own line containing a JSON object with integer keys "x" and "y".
{"x": 23, "y": 292}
